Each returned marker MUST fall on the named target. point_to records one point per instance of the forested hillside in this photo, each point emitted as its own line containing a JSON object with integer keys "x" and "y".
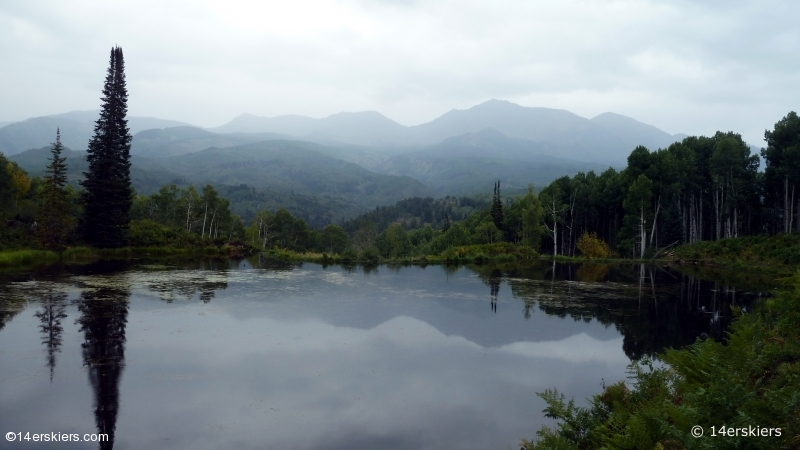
{"x": 465, "y": 165}
{"x": 175, "y": 141}
{"x": 290, "y": 174}
{"x": 292, "y": 167}
{"x": 413, "y": 213}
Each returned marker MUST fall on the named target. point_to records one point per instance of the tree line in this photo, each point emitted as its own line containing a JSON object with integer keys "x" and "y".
{"x": 699, "y": 189}
{"x": 702, "y": 188}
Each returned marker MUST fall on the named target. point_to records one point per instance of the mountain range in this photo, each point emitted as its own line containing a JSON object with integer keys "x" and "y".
{"x": 77, "y": 127}
{"x": 333, "y": 168}
{"x": 607, "y": 138}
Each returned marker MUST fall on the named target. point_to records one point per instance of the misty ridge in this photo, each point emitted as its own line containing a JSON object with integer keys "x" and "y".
{"x": 334, "y": 168}
{"x": 607, "y": 138}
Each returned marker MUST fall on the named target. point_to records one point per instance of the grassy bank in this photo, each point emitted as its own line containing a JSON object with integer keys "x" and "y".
{"x": 772, "y": 254}
{"x": 25, "y": 258}
{"x": 749, "y": 384}
{"x": 468, "y": 254}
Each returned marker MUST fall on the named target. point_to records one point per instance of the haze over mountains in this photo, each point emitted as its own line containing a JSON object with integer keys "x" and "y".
{"x": 607, "y": 138}
{"x": 77, "y": 127}
{"x": 346, "y": 163}
{"x": 467, "y": 164}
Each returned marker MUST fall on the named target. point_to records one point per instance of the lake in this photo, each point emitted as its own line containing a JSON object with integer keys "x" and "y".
{"x": 256, "y": 354}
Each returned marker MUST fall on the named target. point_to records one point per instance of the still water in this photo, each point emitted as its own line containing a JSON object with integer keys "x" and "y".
{"x": 251, "y": 355}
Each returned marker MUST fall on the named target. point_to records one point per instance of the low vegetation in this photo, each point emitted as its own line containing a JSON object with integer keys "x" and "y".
{"x": 779, "y": 253}
{"x": 750, "y": 382}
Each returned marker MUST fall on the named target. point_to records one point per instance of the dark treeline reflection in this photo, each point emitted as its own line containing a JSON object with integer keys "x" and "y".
{"x": 652, "y": 307}
{"x": 104, "y": 315}
{"x": 52, "y": 312}
{"x": 201, "y": 278}
{"x": 188, "y": 286}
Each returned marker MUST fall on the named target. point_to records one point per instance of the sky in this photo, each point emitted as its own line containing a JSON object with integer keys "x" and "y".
{"x": 685, "y": 67}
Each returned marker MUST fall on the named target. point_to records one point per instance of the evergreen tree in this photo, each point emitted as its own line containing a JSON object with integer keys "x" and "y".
{"x": 447, "y": 224}
{"x": 108, "y": 196}
{"x": 55, "y": 221}
{"x": 497, "y": 207}
{"x": 673, "y": 225}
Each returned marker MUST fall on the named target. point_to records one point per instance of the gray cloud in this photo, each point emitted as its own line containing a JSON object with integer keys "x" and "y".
{"x": 691, "y": 67}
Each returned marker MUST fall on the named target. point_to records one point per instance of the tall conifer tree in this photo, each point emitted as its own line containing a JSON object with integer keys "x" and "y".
{"x": 497, "y": 207}
{"x": 55, "y": 220}
{"x": 108, "y": 197}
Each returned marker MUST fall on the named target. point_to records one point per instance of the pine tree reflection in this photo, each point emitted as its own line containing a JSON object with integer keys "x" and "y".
{"x": 493, "y": 278}
{"x": 50, "y": 316}
{"x": 104, "y": 315}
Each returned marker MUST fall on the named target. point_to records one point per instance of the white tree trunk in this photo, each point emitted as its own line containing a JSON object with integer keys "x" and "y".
{"x": 642, "y": 231}
{"x": 655, "y": 218}
{"x": 205, "y": 215}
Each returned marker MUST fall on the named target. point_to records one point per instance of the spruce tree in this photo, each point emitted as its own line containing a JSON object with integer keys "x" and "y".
{"x": 447, "y": 223}
{"x": 497, "y": 207}
{"x": 108, "y": 197}
{"x": 55, "y": 221}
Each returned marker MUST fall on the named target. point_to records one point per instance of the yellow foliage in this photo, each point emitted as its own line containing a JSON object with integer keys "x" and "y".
{"x": 20, "y": 183}
{"x": 591, "y": 246}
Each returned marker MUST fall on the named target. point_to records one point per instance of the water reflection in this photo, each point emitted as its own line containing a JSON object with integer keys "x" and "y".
{"x": 104, "y": 315}
{"x": 10, "y": 305}
{"x": 592, "y": 273}
{"x": 494, "y": 287}
{"x": 367, "y": 356}
{"x": 666, "y": 309}
{"x": 52, "y": 312}
{"x": 170, "y": 286}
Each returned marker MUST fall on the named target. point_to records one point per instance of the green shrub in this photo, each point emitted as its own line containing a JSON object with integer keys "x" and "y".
{"x": 753, "y": 380}
{"x": 505, "y": 258}
{"x": 371, "y": 255}
{"x": 479, "y": 258}
{"x": 146, "y": 233}
{"x": 349, "y": 255}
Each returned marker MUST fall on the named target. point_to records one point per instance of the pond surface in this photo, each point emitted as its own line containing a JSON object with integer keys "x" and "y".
{"x": 250, "y": 355}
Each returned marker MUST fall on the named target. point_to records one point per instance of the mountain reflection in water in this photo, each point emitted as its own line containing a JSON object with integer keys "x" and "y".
{"x": 359, "y": 357}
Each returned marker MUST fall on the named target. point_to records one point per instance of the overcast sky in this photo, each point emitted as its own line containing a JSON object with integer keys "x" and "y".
{"x": 691, "y": 67}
